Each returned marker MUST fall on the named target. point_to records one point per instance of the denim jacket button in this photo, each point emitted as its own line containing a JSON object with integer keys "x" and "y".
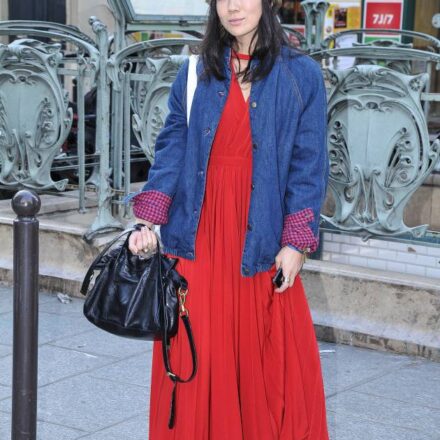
{"x": 254, "y": 146}
{"x": 245, "y": 270}
{"x": 254, "y": 104}
{"x": 207, "y": 130}
{"x": 253, "y": 186}
{"x": 249, "y": 227}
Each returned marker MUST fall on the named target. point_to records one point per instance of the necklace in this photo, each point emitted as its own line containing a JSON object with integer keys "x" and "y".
{"x": 241, "y": 56}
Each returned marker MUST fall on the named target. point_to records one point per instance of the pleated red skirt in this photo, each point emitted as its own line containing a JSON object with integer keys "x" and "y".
{"x": 259, "y": 373}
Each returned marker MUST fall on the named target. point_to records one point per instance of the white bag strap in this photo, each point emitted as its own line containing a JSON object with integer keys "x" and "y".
{"x": 191, "y": 84}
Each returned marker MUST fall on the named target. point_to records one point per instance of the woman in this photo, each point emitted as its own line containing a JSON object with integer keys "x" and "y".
{"x": 238, "y": 194}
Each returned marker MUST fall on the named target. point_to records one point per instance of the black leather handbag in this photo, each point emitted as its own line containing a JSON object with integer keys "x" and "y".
{"x": 139, "y": 298}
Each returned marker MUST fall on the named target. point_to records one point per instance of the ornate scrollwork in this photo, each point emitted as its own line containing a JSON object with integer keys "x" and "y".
{"x": 150, "y": 100}
{"x": 379, "y": 148}
{"x": 34, "y": 115}
{"x": 152, "y": 67}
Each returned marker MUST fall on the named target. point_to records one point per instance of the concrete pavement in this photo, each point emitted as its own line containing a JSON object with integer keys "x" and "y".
{"x": 95, "y": 386}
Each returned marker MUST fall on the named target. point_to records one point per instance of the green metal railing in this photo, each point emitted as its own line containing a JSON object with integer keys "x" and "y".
{"x": 373, "y": 172}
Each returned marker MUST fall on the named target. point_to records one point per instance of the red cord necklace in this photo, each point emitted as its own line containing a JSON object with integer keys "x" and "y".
{"x": 241, "y": 56}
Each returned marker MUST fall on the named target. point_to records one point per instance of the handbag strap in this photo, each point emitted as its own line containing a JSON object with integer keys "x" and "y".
{"x": 183, "y": 313}
{"x": 191, "y": 84}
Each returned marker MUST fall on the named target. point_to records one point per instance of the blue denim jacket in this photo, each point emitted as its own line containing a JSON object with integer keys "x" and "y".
{"x": 288, "y": 115}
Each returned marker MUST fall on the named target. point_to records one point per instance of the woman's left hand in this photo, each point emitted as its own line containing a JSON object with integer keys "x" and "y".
{"x": 291, "y": 261}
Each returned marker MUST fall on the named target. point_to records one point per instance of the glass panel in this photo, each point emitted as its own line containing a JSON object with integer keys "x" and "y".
{"x": 142, "y": 9}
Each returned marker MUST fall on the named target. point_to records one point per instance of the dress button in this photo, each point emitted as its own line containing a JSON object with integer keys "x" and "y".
{"x": 249, "y": 227}
{"x": 254, "y": 104}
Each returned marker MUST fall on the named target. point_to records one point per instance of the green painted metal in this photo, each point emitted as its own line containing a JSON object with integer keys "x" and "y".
{"x": 141, "y": 76}
{"x": 35, "y": 117}
{"x": 152, "y": 78}
{"x": 315, "y": 11}
{"x": 104, "y": 220}
{"x": 378, "y": 140}
{"x": 120, "y": 23}
{"x": 379, "y": 147}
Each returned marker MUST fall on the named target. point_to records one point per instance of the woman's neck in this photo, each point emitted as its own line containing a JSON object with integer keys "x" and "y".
{"x": 243, "y": 44}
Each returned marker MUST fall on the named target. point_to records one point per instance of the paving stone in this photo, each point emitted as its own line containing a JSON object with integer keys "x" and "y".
{"x": 135, "y": 371}
{"x": 50, "y": 327}
{"x": 45, "y": 431}
{"x": 54, "y": 305}
{"x": 5, "y": 391}
{"x": 6, "y": 299}
{"x": 135, "y": 428}
{"x": 87, "y": 403}
{"x": 95, "y": 386}
{"x": 417, "y": 384}
{"x": 348, "y": 366}
{"x": 345, "y": 427}
{"x": 5, "y": 350}
{"x": 55, "y": 363}
{"x": 381, "y": 410}
{"x": 102, "y": 343}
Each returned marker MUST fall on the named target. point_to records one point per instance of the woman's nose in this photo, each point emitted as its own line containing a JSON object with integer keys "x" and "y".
{"x": 233, "y": 5}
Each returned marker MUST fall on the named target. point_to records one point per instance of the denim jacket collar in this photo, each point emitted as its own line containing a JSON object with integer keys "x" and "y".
{"x": 227, "y": 61}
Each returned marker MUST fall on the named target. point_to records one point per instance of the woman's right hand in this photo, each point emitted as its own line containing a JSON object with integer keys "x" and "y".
{"x": 144, "y": 240}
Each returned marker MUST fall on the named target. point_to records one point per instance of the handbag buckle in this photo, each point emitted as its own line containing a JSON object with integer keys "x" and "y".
{"x": 182, "y": 298}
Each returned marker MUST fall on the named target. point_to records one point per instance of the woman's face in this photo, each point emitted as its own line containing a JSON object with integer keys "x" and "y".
{"x": 240, "y": 17}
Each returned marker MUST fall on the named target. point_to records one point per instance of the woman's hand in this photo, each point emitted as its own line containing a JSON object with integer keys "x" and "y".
{"x": 144, "y": 240}
{"x": 291, "y": 262}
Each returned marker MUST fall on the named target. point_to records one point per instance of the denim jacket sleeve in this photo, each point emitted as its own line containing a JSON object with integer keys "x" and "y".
{"x": 309, "y": 168}
{"x": 152, "y": 202}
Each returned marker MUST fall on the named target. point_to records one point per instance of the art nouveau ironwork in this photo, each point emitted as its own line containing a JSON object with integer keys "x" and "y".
{"x": 378, "y": 141}
{"x": 35, "y": 114}
{"x": 379, "y": 148}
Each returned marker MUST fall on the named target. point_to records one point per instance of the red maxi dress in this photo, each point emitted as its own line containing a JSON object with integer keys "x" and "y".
{"x": 259, "y": 372}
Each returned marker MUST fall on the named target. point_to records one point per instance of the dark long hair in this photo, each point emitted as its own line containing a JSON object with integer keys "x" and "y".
{"x": 270, "y": 37}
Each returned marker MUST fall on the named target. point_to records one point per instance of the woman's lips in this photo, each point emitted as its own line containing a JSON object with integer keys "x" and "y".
{"x": 235, "y": 21}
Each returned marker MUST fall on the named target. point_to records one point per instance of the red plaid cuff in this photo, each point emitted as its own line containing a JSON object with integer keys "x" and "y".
{"x": 152, "y": 206}
{"x": 297, "y": 232}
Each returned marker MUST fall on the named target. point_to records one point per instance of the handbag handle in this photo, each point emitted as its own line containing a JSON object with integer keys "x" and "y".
{"x": 89, "y": 275}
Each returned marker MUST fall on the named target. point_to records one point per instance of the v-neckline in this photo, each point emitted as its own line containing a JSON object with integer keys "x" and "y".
{"x": 235, "y": 78}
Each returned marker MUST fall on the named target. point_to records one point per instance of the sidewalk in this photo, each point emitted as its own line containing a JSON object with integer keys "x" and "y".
{"x": 94, "y": 386}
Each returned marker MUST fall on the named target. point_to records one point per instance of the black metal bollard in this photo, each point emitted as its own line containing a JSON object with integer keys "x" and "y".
{"x": 26, "y": 205}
